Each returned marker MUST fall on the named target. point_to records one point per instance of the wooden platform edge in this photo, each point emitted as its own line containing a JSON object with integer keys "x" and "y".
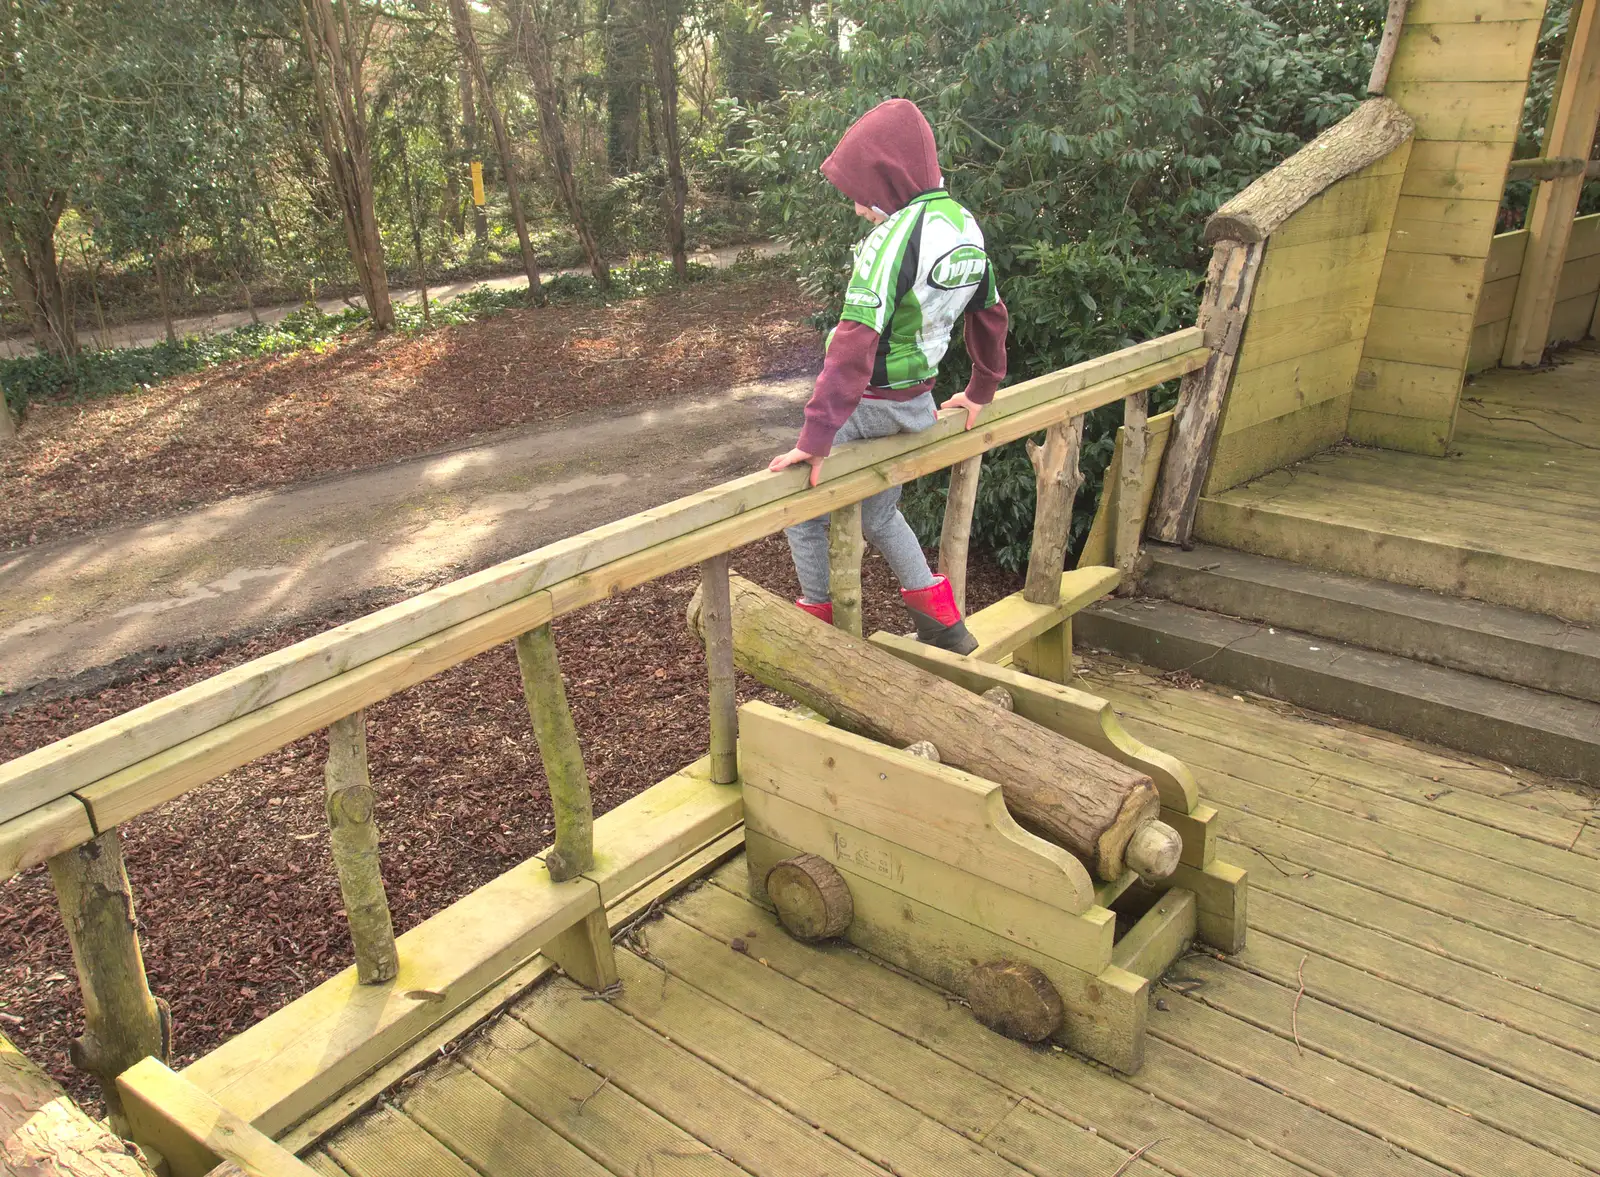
{"x": 304, "y": 1056}
{"x": 193, "y": 1132}
{"x": 621, "y": 914}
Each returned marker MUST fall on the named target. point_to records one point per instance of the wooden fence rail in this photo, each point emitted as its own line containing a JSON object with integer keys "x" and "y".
{"x": 63, "y": 802}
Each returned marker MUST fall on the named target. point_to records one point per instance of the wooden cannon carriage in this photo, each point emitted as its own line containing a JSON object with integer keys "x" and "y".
{"x": 894, "y": 846}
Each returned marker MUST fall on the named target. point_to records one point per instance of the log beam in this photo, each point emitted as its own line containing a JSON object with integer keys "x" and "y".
{"x": 1084, "y": 802}
{"x": 123, "y": 1022}
{"x": 354, "y": 838}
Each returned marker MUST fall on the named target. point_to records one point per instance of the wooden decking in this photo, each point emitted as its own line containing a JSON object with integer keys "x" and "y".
{"x": 1512, "y": 517}
{"x": 1443, "y": 915}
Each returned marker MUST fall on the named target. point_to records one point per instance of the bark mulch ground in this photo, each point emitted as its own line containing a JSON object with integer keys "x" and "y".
{"x": 369, "y": 401}
{"x": 238, "y": 906}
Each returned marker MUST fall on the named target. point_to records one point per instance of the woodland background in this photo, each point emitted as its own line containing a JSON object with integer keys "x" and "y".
{"x": 160, "y": 157}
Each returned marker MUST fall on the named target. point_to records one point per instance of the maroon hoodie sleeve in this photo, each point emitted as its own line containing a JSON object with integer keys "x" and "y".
{"x": 986, "y": 345}
{"x": 846, "y": 371}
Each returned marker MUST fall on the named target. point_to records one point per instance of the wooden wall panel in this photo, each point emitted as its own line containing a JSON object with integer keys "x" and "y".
{"x": 1304, "y": 337}
{"x": 1577, "y": 296}
{"x": 1461, "y": 72}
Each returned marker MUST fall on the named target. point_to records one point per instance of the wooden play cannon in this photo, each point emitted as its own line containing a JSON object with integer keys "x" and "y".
{"x": 925, "y": 815}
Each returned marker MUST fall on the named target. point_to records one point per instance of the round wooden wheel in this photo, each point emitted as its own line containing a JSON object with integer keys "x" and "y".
{"x": 1014, "y": 999}
{"x": 811, "y": 897}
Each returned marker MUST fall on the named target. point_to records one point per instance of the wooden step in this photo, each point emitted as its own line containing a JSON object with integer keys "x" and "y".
{"x": 1508, "y": 555}
{"x": 1549, "y": 733}
{"x": 1498, "y": 642}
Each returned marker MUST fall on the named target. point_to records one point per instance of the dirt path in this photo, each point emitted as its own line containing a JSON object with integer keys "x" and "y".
{"x": 266, "y": 559}
{"x": 152, "y": 331}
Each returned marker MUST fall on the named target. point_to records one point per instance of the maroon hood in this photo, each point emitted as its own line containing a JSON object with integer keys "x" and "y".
{"x": 885, "y": 158}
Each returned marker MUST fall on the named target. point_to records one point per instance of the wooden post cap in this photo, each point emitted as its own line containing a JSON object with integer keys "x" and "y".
{"x": 1154, "y": 850}
{"x": 1014, "y": 999}
{"x": 812, "y": 898}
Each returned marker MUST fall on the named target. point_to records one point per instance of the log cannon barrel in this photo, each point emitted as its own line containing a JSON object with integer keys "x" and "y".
{"x": 1103, "y": 812}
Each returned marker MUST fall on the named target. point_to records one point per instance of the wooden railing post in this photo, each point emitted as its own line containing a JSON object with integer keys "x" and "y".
{"x": 1055, "y": 466}
{"x": 845, "y": 546}
{"x": 573, "y": 852}
{"x": 717, "y": 611}
{"x": 123, "y": 1022}
{"x": 353, "y": 835}
{"x": 1130, "y": 488}
{"x": 956, "y": 536}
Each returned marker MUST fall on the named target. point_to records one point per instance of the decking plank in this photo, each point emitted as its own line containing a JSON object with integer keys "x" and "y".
{"x": 1361, "y": 758}
{"x": 863, "y": 1117}
{"x": 747, "y": 1128}
{"x": 1262, "y": 1141}
{"x": 486, "y": 1129}
{"x": 1459, "y": 1143}
{"x": 1296, "y": 850}
{"x": 1486, "y": 1042}
{"x": 1538, "y": 841}
{"x": 1549, "y": 1018}
{"x": 593, "y": 1113}
{"x": 891, "y": 1062}
{"x": 324, "y": 1164}
{"x": 1508, "y": 1106}
{"x": 1525, "y": 895}
{"x": 390, "y": 1144}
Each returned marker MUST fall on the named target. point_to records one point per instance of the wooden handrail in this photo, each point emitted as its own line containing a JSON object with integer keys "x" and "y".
{"x": 128, "y": 765}
{"x": 1552, "y": 168}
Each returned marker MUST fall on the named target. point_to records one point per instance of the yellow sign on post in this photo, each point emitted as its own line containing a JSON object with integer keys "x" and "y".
{"x": 477, "y": 183}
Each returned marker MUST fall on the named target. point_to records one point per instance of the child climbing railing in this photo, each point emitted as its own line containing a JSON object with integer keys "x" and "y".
{"x": 62, "y": 804}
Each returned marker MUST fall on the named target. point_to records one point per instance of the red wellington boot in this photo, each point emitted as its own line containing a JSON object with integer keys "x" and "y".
{"x": 938, "y": 620}
{"x": 823, "y": 612}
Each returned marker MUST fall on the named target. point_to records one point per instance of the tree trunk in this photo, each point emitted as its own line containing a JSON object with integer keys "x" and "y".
{"x": 624, "y": 72}
{"x": 414, "y": 215}
{"x": 532, "y": 40}
{"x": 1083, "y": 801}
{"x": 28, "y": 250}
{"x": 164, "y": 296}
{"x": 467, "y": 43}
{"x": 342, "y": 118}
{"x": 661, "y": 28}
{"x": 452, "y": 216}
{"x": 474, "y": 144}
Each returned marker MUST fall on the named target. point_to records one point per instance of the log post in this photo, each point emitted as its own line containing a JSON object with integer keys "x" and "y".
{"x": 1085, "y": 802}
{"x": 845, "y": 546}
{"x": 123, "y": 1023}
{"x": 719, "y": 669}
{"x": 44, "y": 1134}
{"x": 1383, "y": 61}
{"x": 959, "y": 500}
{"x": 354, "y": 838}
{"x": 1130, "y": 488}
{"x": 573, "y": 852}
{"x": 1055, "y": 467}
{"x": 1230, "y": 283}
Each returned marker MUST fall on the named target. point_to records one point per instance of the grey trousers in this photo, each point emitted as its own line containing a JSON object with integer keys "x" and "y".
{"x": 882, "y": 525}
